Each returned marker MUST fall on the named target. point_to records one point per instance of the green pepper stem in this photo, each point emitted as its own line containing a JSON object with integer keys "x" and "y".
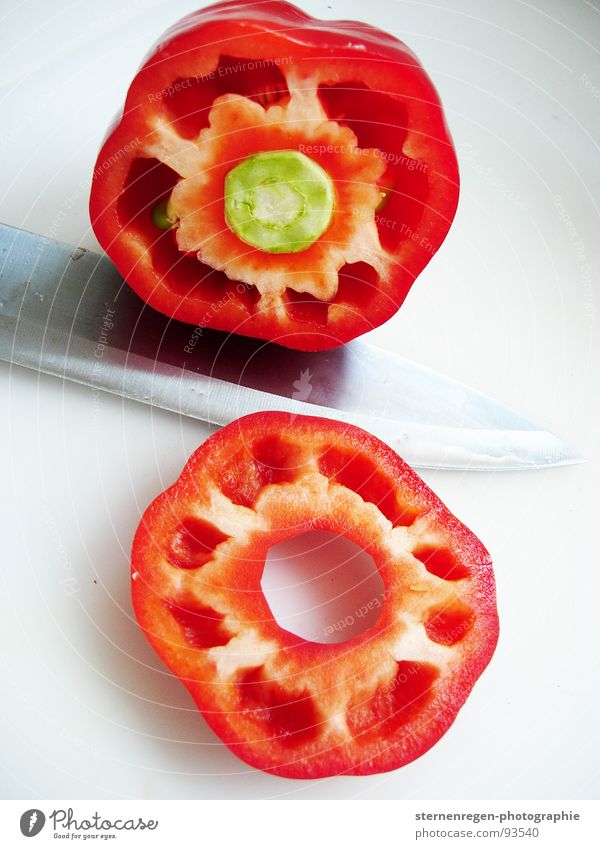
{"x": 279, "y": 201}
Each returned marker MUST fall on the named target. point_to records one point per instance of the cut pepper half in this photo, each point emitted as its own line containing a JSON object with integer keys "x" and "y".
{"x": 283, "y": 704}
{"x": 276, "y": 175}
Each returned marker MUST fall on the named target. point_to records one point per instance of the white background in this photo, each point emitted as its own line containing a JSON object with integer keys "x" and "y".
{"x": 511, "y": 305}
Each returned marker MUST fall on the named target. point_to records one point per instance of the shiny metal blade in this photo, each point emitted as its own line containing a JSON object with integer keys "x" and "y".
{"x": 66, "y": 311}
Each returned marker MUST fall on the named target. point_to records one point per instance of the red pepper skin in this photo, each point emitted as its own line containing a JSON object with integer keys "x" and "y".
{"x": 285, "y": 705}
{"x": 368, "y": 80}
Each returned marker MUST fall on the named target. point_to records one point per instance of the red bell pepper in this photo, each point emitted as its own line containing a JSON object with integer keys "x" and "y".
{"x": 283, "y": 704}
{"x": 276, "y": 175}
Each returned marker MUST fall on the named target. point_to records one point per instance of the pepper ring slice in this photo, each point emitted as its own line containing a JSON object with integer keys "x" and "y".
{"x": 283, "y": 704}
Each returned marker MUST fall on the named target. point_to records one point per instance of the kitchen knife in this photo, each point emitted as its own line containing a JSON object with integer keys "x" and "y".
{"x": 66, "y": 311}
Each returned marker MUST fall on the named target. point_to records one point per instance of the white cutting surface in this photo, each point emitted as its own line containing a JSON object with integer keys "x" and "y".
{"x": 511, "y": 305}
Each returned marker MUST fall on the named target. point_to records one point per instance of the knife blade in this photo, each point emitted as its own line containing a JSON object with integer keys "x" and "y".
{"x": 66, "y": 311}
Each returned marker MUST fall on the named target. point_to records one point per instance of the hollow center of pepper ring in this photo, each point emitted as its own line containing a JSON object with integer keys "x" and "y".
{"x": 279, "y": 201}
{"x": 322, "y": 587}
